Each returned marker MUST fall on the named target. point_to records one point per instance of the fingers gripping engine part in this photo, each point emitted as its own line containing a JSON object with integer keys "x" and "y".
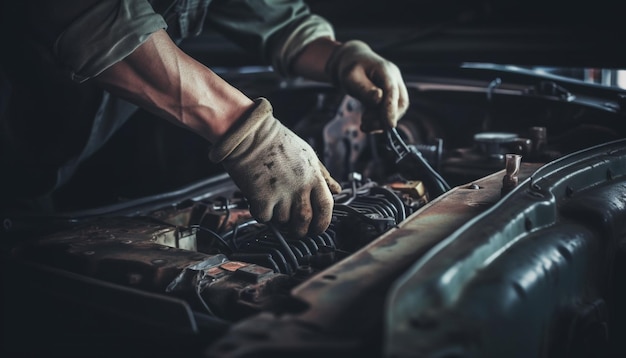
{"x": 348, "y": 149}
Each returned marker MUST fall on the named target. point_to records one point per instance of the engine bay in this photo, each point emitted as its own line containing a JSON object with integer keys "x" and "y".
{"x": 212, "y": 253}
{"x": 198, "y": 245}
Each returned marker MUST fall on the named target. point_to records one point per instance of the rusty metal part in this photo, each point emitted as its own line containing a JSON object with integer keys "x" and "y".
{"x": 120, "y": 250}
{"x": 230, "y": 290}
{"x": 215, "y": 214}
{"x": 335, "y": 297}
{"x": 329, "y": 293}
{"x": 134, "y": 252}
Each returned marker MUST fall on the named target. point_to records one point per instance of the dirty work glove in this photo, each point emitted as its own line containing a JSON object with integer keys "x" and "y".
{"x": 371, "y": 79}
{"x": 278, "y": 172}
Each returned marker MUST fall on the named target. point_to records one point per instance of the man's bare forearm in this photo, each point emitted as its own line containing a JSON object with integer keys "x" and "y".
{"x": 162, "y": 79}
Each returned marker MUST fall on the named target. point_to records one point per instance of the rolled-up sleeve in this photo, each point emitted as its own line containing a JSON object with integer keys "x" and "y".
{"x": 105, "y": 34}
{"x": 274, "y": 30}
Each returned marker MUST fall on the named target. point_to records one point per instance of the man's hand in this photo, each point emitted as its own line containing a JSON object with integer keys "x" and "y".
{"x": 277, "y": 171}
{"x": 371, "y": 79}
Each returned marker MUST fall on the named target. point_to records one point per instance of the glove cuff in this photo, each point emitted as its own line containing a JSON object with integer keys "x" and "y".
{"x": 343, "y": 58}
{"x": 245, "y": 126}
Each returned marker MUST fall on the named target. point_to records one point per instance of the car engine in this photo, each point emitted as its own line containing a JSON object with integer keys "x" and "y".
{"x": 172, "y": 264}
{"x": 211, "y": 252}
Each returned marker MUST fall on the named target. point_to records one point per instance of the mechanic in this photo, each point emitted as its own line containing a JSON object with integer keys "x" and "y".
{"x": 90, "y": 64}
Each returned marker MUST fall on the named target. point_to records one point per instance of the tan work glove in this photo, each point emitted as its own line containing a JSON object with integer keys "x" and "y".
{"x": 278, "y": 172}
{"x": 371, "y": 79}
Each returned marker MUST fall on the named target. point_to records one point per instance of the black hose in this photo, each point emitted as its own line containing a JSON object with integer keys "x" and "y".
{"x": 214, "y": 235}
{"x": 285, "y": 246}
{"x": 390, "y": 195}
{"x": 433, "y": 179}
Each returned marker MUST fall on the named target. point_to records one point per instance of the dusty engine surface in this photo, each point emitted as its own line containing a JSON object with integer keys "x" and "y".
{"x": 214, "y": 255}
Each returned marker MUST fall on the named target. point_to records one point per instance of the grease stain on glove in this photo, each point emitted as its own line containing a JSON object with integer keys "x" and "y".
{"x": 278, "y": 172}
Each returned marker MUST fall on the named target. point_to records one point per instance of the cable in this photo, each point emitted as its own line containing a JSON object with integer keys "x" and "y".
{"x": 353, "y": 196}
{"x": 330, "y": 240}
{"x": 226, "y": 218}
{"x": 214, "y": 235}
{"x": 234, "y": 238}
{"x": 205, "y": 212}
{"x": 233, "y": 235}
{"x": 203, "y": 302}
{"x": 283, "y": 243}
{"x": 393, "y": 197}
